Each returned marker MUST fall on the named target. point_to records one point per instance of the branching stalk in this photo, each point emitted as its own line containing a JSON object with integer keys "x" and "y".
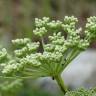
{"x": 61, "y": 83}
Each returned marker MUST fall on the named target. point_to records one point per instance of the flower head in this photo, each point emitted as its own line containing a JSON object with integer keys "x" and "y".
{"x": 58, "y": 51}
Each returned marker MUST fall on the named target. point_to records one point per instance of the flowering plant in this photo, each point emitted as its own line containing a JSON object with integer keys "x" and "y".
{"x": 61, "y": 42}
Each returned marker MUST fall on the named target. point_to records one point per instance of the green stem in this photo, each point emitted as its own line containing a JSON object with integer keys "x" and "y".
{"x": 61, "y": 83}
{"x": 15, "y": 77}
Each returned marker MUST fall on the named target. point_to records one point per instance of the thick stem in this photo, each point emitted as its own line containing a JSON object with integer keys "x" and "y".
{"x": 61, "y": 83}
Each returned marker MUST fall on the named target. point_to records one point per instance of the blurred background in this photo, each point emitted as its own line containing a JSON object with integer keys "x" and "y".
{"x": 17, "y": 20}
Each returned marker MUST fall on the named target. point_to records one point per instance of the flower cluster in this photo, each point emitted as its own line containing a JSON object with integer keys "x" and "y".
{"x": 91, "y": 28}
{"x": 40, "y": 31}
{"x": 82, "y": 92}
{"x": 41, "y": 22}
{"x": 9, "y": 87}
{"x": 58, "y": 51}
{"x": 24, "y": 47}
